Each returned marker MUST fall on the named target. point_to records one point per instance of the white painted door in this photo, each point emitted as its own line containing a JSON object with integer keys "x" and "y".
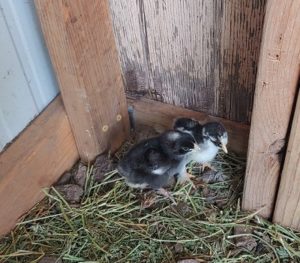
{"x": 27, "y": 82}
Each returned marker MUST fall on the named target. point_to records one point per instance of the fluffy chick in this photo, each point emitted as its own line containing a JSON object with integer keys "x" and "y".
{"x": 210, "y": 137}
{"x": 152, "y": 162}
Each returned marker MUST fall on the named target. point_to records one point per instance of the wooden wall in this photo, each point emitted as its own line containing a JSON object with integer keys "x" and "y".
{"x": 199, "y": 54}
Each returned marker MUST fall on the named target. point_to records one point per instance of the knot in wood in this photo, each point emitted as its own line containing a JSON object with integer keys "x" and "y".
{"x": 276, "y": 147}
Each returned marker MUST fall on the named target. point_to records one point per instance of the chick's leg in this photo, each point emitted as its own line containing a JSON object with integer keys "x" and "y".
{"x": 165, "y": 193}
{"x": 190, "y": 176}
{"x": 208, "y": 165}
{"x": 186, "y": 177}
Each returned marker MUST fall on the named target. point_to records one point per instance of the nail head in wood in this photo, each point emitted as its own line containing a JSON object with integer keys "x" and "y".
{"x": 119, "y": 117}
{"x": 105, "y": 128}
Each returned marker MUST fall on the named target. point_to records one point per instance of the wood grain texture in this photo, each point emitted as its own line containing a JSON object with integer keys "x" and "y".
{"x": 287, "y": 209}
{"x": 127, "y": 22}
{"x": 201, "y": 55}
{"x": 276, "y": 85}
{"x": 35, "y": 160}
{"x": 81, "y": 43}
{"x": 241, "y": 31}
{"x": 161, "y": 116}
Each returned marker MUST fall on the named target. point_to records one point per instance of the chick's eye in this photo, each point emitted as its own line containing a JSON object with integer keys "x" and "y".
{"x": 185, "y": 149}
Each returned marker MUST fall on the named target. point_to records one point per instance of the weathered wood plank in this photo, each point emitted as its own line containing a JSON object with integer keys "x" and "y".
{"x": 287, "y": 209}
{"x": 81, "y": 43}
{"x": 201, "y": 55}
{"x": 241, "y": 30}
{"x": 180, "y": 50}
{"x": 276, "y": 85}
{"x": 35, "y": 160}
{"x": 161, "y": 116}
{"x": 127, "y": 22}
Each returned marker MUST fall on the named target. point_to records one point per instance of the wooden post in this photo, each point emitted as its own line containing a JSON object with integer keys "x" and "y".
{"x": 276, "y": 84}
{"x": 287, "y": 209}
{"x": 82, "y": 49}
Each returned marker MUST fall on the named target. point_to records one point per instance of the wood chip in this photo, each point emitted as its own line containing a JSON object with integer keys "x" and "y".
{"x": 71, "y": 192}
{"x": 102, "y": 165}
{"x": 210, "y": 176}
{"x": 64, "y": 179}
{"x": 80, "y": 175}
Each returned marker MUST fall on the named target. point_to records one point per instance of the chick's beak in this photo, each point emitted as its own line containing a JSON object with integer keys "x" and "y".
{"x": 224, "y": 148}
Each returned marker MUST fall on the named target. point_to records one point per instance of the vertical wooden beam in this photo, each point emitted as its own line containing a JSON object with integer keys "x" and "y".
{"x": 81, "y": 43}
{"x": 287, "y": 209}
{"x": 276, "y": 84}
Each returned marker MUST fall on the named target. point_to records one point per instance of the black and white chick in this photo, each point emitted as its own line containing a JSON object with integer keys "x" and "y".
{"x": 153, "y": 162}
{"x": 210, "y": 137}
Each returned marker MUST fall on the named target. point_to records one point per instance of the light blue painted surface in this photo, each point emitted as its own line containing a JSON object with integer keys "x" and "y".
{"x": 27, "y": 82}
